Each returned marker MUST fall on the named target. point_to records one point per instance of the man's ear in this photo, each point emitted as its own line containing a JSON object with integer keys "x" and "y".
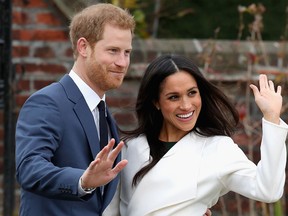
{"x": 82, "y": 47}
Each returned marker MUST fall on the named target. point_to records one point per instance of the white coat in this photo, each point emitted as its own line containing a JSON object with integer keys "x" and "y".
{"x": 196, "y": 171}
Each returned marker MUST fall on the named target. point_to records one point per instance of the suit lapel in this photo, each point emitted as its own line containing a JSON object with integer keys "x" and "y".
{"x": 86, "y": 119}
{"x": 83, "y": 113}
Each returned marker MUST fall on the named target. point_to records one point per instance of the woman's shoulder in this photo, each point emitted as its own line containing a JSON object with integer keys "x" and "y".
{"x": 212, "y": 139}
{"x": 134, "y": 139}
{"x": 136, "y": 142}
{"x": 135, "y": 146}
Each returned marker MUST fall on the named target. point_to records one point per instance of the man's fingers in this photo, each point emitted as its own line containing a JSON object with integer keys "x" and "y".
{"x": 120, "y": 166}
{"x": 114, "y": 153}
{"x": 94, "y": 163}
{"x": 271, "y": 85}
{"x": 110, "y": 144}
{"x": 103, "y": 154}
{"x": 279, "y": 89}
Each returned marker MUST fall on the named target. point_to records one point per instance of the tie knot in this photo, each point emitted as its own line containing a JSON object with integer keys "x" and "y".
{"x": 101, "y": 105}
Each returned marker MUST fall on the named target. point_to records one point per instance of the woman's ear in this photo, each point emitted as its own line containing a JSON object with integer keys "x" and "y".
{"x": 156, "y": 104}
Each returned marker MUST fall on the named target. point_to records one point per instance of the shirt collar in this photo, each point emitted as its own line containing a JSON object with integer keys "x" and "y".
{"x": 91, "y": 97}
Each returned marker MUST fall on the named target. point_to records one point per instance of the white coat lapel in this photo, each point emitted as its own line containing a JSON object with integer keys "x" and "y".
{"x": 172, "y": 180}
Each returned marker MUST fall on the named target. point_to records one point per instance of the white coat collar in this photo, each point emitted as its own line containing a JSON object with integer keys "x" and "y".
{"x": 165, "y": 183}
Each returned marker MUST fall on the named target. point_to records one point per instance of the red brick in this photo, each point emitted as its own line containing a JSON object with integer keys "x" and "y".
{"x": 1, "y": 133}
{"x": 25, "y": 67}
{"x": 29, "y": 3}
{"x": 1, "y": 117}
{"x": 20, "y": 51}
{"x": 1, "y": 149}
{"x": 44, "y": 52}
{"x": 53, "y": 68}
{"x": 45, "y": 35}
{"x": 44, "y": 68}
{"x": 48, "y": 19}
{"x": 38, "y": 84}
{"x": 23, "y": 85}
{"x": 19, "y": 17}
{"x": 20, "y": 100}
{"x": 69, "y": 52}
{"x": 19, "y": 68}
{"x": 1, "y": 165}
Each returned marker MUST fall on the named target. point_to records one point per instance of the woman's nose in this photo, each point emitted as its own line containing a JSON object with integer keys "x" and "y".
{"x": 185, "y": 104}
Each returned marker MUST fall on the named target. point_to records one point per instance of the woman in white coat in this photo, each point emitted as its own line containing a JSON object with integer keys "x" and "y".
{"x": 181, "y": 157}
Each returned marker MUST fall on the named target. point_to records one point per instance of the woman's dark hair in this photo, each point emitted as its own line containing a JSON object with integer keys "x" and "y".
{"x": 218, "y": 116}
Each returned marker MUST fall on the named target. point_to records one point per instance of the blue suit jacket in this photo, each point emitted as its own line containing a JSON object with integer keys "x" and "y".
{"x": 56, "y": 139}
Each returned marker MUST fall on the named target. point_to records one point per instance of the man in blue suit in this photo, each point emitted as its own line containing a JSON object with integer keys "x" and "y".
{"x": 59, "y": 164}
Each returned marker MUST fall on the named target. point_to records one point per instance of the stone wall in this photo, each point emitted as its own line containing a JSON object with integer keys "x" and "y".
{"x": 42, "y": 54}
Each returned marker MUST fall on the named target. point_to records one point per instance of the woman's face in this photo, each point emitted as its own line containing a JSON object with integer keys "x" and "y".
{"x": 180, "y": 104}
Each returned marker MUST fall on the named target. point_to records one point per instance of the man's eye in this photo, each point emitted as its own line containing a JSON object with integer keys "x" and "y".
{"x": 127, "y": 53}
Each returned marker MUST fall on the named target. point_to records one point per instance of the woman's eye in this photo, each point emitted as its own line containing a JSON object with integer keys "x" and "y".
{"x": 173, "y": 97}
{"x": 192, "y": 93}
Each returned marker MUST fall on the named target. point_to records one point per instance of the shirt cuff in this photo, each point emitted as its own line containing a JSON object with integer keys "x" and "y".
{"x": 82, "y": 191}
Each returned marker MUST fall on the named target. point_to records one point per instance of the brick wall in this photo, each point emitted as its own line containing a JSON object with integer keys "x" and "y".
{"x": 42, "y": 54}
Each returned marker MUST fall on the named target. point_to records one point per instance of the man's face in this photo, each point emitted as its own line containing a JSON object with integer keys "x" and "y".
{"x": 108, "y": 61}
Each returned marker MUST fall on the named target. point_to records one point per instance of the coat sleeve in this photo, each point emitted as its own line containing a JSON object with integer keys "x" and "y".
{"x": 264, "y": 181}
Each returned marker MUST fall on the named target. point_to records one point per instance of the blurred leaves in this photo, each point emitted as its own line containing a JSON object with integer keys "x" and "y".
{"x": 135, "y": 9}
{"x": 278, "y": 209}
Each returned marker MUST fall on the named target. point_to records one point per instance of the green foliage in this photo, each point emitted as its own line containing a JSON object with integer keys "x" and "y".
{"x": 200, "y": 18}
{"x": 278, "y": 209}
{"x": 141, "y": 26}
{"x": 136, "y": 10}
{"x": 208, "y": 15}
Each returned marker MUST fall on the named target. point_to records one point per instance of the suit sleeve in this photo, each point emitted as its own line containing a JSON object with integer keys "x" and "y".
{"x": 38, "y": 133}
